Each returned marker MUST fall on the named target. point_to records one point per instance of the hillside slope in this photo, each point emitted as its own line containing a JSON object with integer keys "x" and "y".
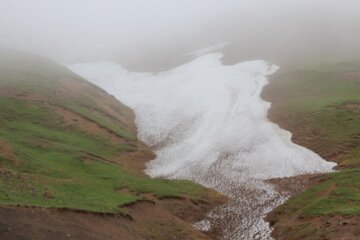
{"x": 71, "y": 165}
{"x": 321, "y": 107}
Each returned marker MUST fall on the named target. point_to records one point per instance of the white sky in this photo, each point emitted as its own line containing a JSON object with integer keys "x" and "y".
{"x": 136, "y": 30}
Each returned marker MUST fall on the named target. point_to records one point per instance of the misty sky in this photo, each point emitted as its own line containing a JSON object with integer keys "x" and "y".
{"x": 150, "y": 34}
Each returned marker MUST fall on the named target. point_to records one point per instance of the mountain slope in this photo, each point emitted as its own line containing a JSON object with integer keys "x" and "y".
{"x": 321, "y": 107}
{"x": 66, "y": 144}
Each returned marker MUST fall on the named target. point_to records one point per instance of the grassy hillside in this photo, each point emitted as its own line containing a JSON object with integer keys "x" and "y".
{"x": 65, "y": 143}
{"x": 321, "y": 106}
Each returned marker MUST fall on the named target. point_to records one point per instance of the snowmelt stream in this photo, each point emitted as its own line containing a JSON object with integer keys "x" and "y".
{"x": 207, "y": 123}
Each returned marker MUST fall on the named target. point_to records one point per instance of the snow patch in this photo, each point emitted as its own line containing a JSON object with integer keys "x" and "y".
{"x": 207, "y": 122}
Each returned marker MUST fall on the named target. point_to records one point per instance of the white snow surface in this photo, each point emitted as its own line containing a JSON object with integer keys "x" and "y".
{"x": 207, "y": 122}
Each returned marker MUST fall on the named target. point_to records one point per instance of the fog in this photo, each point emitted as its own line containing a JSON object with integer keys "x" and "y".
{"x": 154, "y": 35}
{"x": 207, "y": 123}
{"x": 204, "y": 118}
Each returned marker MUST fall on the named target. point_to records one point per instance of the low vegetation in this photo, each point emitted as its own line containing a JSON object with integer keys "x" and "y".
{"x": 321, "y": 106}
{"x": 48, "y": 162}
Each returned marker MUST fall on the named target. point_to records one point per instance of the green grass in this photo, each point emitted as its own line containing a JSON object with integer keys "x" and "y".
{"x": 314, "y": 100}
{"x": 35, "y": 75}
{"x": 51, "y": 160}
{"x": 53, "y": 165}
{"x": 338, "y": 193}
{"x": 30, "y": 73}
{"x": 103, "y": 122}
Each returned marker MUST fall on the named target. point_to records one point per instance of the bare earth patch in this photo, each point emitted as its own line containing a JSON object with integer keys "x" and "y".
{"x": 7, "y": 152}
{"x": 149, "y": 219}
{"x": 351, "y": 75}
{"x": 352, "y": 106}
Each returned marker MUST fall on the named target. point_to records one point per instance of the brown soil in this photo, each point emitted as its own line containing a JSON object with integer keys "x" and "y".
{"x": 350, "y": 76}
{"x": 135, "y": 161}
{"x": 295, "y": 185}
{"x": 301, "y": 134}
{"x": 72, "y": 119}
{"x": 104, "y": 103}
{"x": 151, "y": 218}
{"x": 327, "y": 227}
{"x": 132, "y": 160}
{"x": 305, "y": 136}
{"x": 7, "y": 153}
{"x": 24, "y": 95}
{"x": 335, "y": 227}
{"x": 148, "y": 219}
{"x": 352, "y": 106}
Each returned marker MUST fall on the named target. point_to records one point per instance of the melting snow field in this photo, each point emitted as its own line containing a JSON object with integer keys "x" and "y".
{"x": 207, "y": 123}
